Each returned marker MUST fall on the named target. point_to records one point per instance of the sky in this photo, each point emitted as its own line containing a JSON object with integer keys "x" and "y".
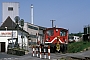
{"x": 69, "y": 14}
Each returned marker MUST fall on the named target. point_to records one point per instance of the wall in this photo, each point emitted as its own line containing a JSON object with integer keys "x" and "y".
{"x": 5, "y": 35}
{"x": 25, "y": 27}
{"x": 32, "y": 30}
{"x": 7, "y": 13}
{"x": 25, "y": 39}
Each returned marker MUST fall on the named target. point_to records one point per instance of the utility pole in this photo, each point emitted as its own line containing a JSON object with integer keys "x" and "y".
{"x": 52, "y": 22}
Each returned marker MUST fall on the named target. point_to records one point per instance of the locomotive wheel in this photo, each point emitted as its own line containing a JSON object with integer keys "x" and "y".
{"x": 63, "y": 48}
{"x": 52, "y": 50}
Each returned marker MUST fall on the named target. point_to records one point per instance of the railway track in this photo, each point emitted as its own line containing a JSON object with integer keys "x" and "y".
{"x": 54, "y": 56}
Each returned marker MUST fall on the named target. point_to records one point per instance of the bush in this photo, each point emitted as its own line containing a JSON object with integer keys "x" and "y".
{"x": 20, "y": 52}
{"x": 9, "y": 51}
{"x": 16, "y": 51}
{"x": 77, "y": 46}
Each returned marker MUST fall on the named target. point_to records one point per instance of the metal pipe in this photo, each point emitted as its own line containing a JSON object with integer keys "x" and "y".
{"x": 31, "y": 13}
{"x": 22, "y": 37}
{"x": 12, "y": 34}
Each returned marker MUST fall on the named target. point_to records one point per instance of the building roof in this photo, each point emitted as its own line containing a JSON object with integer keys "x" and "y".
{"x": 32, "y": 26}
{"x": 10, "y": 24}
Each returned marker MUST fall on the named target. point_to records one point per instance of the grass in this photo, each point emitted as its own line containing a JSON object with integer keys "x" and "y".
{"x": 77, "y": 46}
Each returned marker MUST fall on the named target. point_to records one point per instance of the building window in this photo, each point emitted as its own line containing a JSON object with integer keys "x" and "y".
{"x": 32, "y": 27}
{"x": 10, "y": 8}
{"x": 33, "y": 36}
{"x": 50, "y": 32}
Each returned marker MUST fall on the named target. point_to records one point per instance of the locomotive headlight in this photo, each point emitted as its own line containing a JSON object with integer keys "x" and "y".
{"x": 47, "y": 39}
{"x": 56, "y": 30}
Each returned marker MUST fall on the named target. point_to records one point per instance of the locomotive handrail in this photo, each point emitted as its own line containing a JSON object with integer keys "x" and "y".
{"x": 55, "y": 39}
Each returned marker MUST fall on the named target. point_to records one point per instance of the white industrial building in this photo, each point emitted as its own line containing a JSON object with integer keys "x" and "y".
{"x": 10, "y": 9}
{"x": 8, "y": 31}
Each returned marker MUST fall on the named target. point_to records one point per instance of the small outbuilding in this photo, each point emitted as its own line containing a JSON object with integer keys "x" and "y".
{"x": 74, "y": 38}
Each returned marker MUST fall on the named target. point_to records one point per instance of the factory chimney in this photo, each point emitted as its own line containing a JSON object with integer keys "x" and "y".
{"x": 31, "y": 13}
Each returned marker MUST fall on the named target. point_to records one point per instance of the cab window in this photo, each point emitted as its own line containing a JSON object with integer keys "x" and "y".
{"x": 50, "y": 32}
{"x": 62, "y": 33}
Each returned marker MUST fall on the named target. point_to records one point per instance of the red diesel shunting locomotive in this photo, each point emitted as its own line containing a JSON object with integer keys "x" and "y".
{"x": 57, "y": 38}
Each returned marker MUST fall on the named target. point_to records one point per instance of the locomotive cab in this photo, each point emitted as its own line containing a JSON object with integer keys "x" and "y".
{"x": 57, "y": 38}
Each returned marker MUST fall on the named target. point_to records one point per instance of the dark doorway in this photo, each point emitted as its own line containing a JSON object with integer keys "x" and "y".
{"x": 2, "y": 46}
